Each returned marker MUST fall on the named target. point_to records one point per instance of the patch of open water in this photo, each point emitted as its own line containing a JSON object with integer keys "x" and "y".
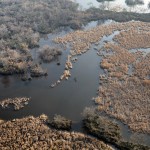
{"x": 116, "y": 5}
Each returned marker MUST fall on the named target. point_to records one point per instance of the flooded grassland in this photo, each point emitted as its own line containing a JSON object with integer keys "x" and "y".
{"x": 123, "y": 94}
{"x": 60, "y": 72}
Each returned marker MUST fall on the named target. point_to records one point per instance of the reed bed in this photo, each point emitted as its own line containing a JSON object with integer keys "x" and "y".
{"x": 124, "y": 92}
{"x": 18, "y": 102}
{"x": 82, "y": 40}
{"x": 126, "y": 96}
{"x": 134, "y": 38}
{"x": 33, "y": 133}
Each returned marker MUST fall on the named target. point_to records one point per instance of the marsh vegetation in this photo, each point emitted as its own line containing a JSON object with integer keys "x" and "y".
{"x": 107, "y": 130}
{"x": 47, "y": 54}
{"x": 124, "y": 81}
{"x": 121, "y": 95}
{"x": 18, "y": 102}
{"x": 33, "y": 133}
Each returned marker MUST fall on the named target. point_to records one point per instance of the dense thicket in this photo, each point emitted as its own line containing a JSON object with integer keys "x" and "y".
{"x": 22, "y": 21}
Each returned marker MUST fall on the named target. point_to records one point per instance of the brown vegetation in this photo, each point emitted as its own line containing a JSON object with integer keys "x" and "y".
{"x": 60, "y": 122}
{"x": 107, "y": 130}
{"x": 47, "y": 53}
{"x": 134, "y": 38}
{"x": 37, "y": 71}
{"x": 124, "y": 91}
{"x": 20, "y": 25}
{"x": 81, "y": 42}
{"x": 33, "y": 133}
{"x": 142, "y": 67}
{"x": 66, "y": 74}
{"x": 128, "y": 101}
{"x": 18, "y": 102}
{"x": 127, "y": 96}
{"x": 22, "y": 21}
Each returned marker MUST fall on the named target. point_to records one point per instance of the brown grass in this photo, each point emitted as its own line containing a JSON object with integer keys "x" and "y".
{"x": 81, "y": 42}
{"x": 33, "y": 133}
{"x": 18, "y": 102}
{"x": 133, "y": 38}
{"x": 126, "y": 97}
{"x": 124, "y": 92}
{"x": 146, "y": 82}
{"x": 127, "y": 101}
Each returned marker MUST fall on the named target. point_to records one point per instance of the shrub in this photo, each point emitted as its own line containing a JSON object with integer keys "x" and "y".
{"x": 60, "y": 122}
{"x": 100, "y": 126}
{"x": 37, "y": 71}
{"x": 47, "y": 53}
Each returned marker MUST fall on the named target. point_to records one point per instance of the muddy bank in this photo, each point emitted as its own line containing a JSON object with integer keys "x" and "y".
{"x": 33, "y": 133}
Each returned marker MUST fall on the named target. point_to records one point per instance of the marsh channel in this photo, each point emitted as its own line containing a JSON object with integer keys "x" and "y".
{"x": 68, "y": 98}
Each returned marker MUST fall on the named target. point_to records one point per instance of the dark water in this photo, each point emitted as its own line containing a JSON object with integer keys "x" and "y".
{"x": 70, "y": 97}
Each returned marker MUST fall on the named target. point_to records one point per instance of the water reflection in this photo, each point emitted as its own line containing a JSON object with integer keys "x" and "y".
{"x": 5, "y": 81}
{"x": 105, "y": 0}
{"x": 140, "y": 6}
{"x": 97, "y": 23}
{"x": 134, "y": 2}
{"x": 148, "y": 5}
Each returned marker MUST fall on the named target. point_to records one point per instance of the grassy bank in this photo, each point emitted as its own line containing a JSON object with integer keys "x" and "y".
{"x": 33, "y": 133}
{"x": 107, "y": 131}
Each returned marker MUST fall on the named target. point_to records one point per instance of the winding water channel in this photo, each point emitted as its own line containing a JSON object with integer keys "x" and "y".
{"x": 70, "y": 97}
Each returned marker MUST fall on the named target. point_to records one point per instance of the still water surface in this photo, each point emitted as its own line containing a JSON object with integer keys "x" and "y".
{"x": 117, "y": 5}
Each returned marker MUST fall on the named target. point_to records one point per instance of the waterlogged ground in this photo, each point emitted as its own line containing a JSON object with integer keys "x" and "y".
{"x": 68, "y": 98}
